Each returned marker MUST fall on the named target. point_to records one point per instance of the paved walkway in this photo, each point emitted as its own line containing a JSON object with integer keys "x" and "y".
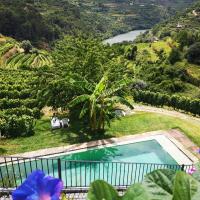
{"x": 163, "y": 111}
{"x": 184, "y": 143}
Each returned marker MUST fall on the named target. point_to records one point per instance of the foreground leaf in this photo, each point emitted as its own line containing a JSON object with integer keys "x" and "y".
{"x": 186, "y": 187}
{"x": 136, "y": 192}
{"x": 159, "y": 184}
{"x": 100, "y": 190}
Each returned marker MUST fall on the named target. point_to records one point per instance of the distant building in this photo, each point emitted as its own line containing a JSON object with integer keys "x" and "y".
{"x": 179, "y": 25}
{"x": 196, "y": 12}
{"x": 154, "y": 39}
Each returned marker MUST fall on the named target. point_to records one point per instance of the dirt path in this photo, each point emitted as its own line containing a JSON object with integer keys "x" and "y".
{"x": 163, "y": 111}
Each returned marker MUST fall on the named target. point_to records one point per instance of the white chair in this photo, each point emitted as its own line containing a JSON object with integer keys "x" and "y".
{"x": 55, "y": 123}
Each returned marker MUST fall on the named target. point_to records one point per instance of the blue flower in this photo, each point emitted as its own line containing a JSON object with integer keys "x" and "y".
{"x": 38, "y": 187}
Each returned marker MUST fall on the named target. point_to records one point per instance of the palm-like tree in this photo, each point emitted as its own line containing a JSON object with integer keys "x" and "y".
{"x": 100, "y": 102}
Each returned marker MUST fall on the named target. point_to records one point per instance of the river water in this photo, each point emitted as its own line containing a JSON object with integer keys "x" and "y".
{"x": 128, "y": 37}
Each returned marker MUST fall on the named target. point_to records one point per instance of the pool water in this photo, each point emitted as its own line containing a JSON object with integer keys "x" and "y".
{"x": 142, "y": 152}
{"x": 118, "y": 165}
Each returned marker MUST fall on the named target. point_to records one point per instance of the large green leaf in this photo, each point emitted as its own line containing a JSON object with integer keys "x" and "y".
{"x": 116, "y": 87}
{"x": 186, "y": 187}
{"x": 136, "y": 192}
{"x": 84, "y": 110}
{"x": 123, "y": 101}
{"x": 100, "y": 87}
{"x": 78, "y": 100}
{"x": 100, "y": 190}
{"x": 159, "y": 184}
{"x": 196, "y": 175}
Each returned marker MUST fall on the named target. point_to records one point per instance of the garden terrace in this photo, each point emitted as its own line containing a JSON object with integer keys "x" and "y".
{"x": 18, "y": 103}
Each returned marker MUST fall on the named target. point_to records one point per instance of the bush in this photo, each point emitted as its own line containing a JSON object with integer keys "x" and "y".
{"x": 14, "y": 126}
{"x": 26, "y": 45}
{"x": 193, "y": 54}
{"x": 176, "y": 102}
{"x": 174, "y": 56}
{"x": 35, "y": 112}
{"x": 14, "y": 103}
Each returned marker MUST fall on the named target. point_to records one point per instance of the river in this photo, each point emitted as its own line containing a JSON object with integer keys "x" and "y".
{"x": 128, "y": 37}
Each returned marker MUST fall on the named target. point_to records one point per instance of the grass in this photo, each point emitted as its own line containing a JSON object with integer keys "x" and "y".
{"x": 138, "y": 123}
{"x": 194, "y": 70}
{"x": 152, "y": 48}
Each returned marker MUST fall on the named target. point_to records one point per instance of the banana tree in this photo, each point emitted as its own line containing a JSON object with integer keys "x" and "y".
{"x": 100, "y": 102}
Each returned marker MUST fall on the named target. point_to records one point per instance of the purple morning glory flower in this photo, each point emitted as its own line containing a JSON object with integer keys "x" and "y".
{"x": 38, "y": 187}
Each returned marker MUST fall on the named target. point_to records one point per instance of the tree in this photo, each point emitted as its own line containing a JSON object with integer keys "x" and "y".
{"x": 185, "y": 38}
{"x": 131, "y": 52}
{"x": 87, "y": 57}
{"x": 100, "y": 102}
{"x": 193, "y": 54}
{"x": 26, "y": 45}
{"x": 174, "y": 56}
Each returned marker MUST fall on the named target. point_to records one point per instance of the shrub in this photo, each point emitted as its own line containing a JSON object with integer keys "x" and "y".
{"x": 14, "y": 126}
{"x": 26, "y": 45}
{"x": 174, "y": 56}
{"x": 176, "y": 102}
{"x": 193, "y": 54}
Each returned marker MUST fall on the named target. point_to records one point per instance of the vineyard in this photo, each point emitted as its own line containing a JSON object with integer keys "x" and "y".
{"x": 18, "y": 104}
{"x": 13, "y": 56}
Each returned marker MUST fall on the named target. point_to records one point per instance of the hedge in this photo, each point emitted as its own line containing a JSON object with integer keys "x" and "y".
{"x": 177, "y": 102}
{"x": 15, "y": 94}
{"x": 35, "y": 112}
{"x": 14, "y": 126}
{"x": 6, "y": 103}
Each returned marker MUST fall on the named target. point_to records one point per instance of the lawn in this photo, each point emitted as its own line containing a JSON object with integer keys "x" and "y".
{"x": 138, "y": 123}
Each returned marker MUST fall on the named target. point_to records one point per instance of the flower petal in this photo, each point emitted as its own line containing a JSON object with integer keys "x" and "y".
{"x": 39, "y": 187}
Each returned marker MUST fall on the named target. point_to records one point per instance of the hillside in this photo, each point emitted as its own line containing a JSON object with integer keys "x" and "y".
{"x": 44, "y": 21}
{"x": 186, "y": 21}
{"x": 15, "y": 55}
{"x": 167, "y": 58}
{"x": 125, "y": 15}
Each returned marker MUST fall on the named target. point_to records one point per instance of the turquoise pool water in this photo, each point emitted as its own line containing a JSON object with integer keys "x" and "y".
{"x": 119, "y": 165}
{"x": 142, "y": 152}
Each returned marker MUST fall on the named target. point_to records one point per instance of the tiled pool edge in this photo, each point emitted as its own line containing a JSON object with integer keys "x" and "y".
{"x": 185, "y": 145}
{"x": 179, "y": 139}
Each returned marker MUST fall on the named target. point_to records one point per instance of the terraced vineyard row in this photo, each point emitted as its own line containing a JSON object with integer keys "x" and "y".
{"x": 18, "y": 103}
{"x": 13, "y": 56}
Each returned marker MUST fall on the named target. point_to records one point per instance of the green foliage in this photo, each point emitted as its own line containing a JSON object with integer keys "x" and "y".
{"x": 157, "y": 99}
{"x": 185, "y": 38}
{"x": 93, "y": 57}
{"x": 23, "y": 21}
{"x": 174, "y": 56}
{"x": 99, "y": 104}
{"x": 16, "y": 55}
{"x": 26, "y": 45}
{"x": 122, "y": 15}
{"x": 18, "y": 104}
{"x": 193, "y": 53}
{"x": 14, "y": 125}
{"x": 160, "y": 184}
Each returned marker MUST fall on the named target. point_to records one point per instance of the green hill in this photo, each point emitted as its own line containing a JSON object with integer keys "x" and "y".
{"x": 125, "y": 15}
{"x": 168, "y": 55}
{"x": 13, "y": 56}
{"x": 41, "y": 22}
{"x": 187, "y": 21}
{"x": 44, "y": 21}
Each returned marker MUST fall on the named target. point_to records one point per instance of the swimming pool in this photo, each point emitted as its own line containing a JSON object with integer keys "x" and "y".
{"x": 119, "y": 164}
{"x": 141, "y": 152}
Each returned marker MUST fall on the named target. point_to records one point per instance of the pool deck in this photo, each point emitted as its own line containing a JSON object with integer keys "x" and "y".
{"x": 182, "y": 142}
